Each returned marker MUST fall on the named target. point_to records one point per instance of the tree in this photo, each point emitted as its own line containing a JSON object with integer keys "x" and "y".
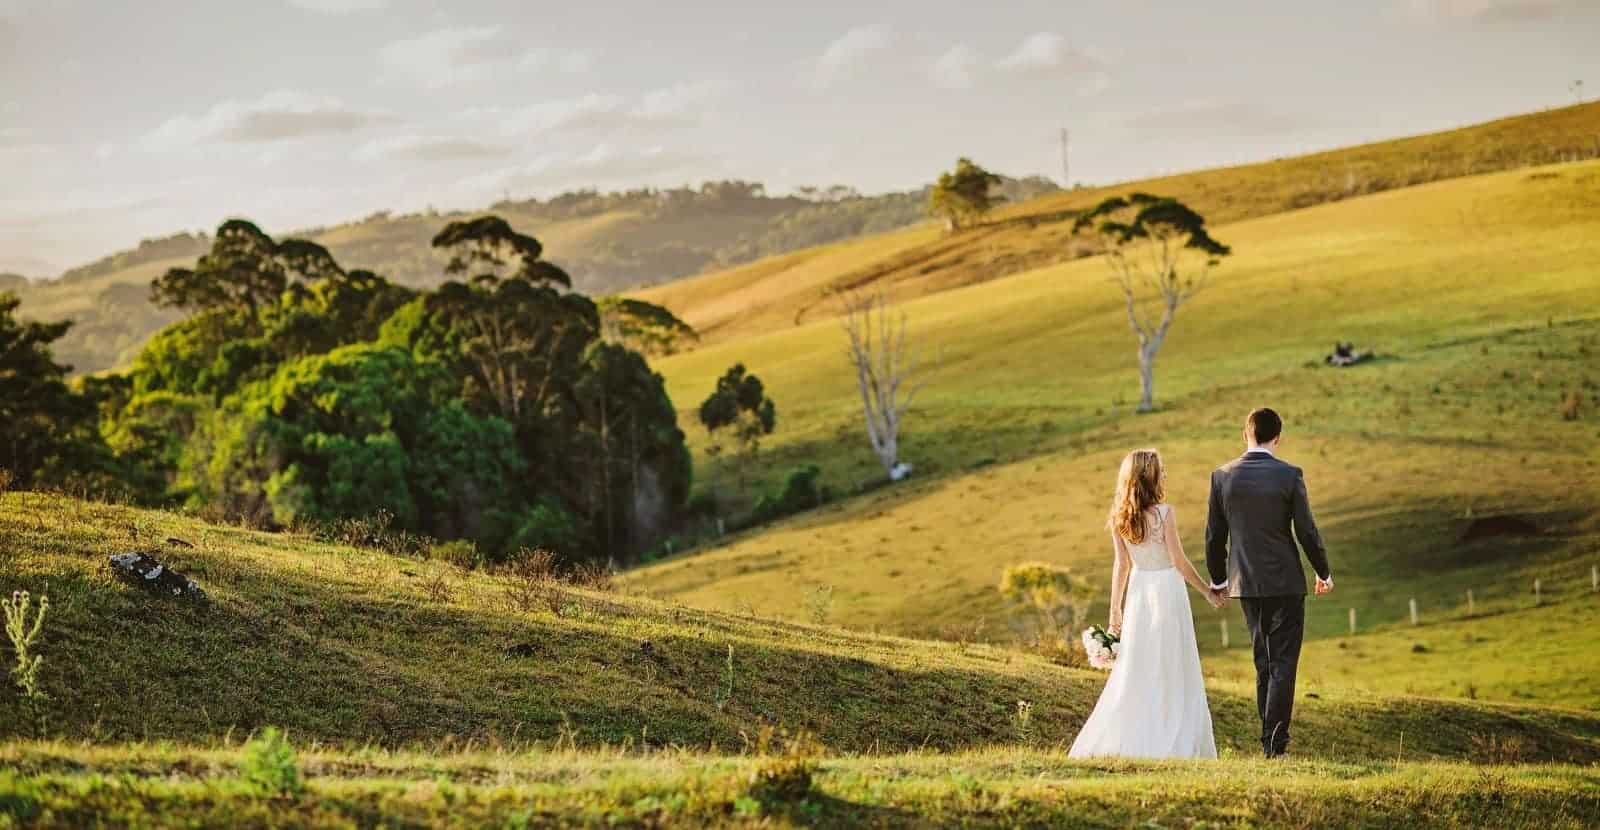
{"x": 888, "y": 373}
{"x": 42, "y": 439}
{"x": 511, "y": 331}
{"x": 245, "y": 270}
{"x": 1160, "y": 255}
{"x": 644, "y": 327}
{"x": 961, "y": 197}
{"x": 639, "y": 468}
{"x": 740, "y": 402}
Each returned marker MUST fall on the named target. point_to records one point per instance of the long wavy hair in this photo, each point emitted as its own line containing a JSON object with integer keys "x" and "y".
{"x": 1141, "y": 485}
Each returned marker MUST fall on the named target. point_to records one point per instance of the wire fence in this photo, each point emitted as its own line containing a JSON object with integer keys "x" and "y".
{"x": 1350, "y": 613}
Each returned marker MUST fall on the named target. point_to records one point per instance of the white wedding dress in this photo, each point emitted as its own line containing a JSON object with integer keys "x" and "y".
{"x": 1154, "y": 703}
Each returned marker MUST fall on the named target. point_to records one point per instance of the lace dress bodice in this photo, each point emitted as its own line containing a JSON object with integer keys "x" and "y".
{"x": 1151, "y": 554}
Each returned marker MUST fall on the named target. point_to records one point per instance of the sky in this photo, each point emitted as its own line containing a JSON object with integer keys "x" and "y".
{"x": 123, "y": 120}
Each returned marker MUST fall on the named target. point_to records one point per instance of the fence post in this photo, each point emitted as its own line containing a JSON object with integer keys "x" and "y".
{"x": 1470, "y": 607}
{"x": 1538, "y": 599}
{"x": 1594, "y": 578}
{"x": 722, "y": 529}
{"x": 1224, "y": 632}
{"x": 1413, "y": 610}
{"x": 1352, "y": 622}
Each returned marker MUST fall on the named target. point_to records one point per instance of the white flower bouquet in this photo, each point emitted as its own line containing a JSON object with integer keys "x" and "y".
{"x": 1101, "y": 646}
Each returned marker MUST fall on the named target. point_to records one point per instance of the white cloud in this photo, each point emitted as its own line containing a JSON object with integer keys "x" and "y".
{"x": 679, "y": 105}
{"x": 1046, "y": 54}
{"x": 1491, "y": 11}
{"x": 339, "y": 6}
{"x": 430, "y": 148}
{"x": 277, "y": 116}
{"x": 601, "y": 165}
{"x": 847, "y": 52}
{"x": 465, "y": 54}
{"x": 953, "y": 69}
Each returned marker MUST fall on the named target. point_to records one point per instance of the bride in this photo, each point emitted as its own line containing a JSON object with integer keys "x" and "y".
{"x": 1154, "y": 703}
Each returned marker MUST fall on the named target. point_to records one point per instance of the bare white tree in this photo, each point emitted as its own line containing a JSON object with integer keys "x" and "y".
{"x": 889, "y": 372}
{"x": 1160, "y": 255}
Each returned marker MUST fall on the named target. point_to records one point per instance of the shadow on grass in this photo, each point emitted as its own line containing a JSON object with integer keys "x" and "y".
{"x": 331, "y": 664}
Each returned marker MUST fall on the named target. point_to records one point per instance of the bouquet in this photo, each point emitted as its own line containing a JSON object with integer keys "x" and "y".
{"x": 1101, "y": 646}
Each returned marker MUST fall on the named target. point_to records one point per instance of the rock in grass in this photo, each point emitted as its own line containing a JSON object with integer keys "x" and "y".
{"x": 145, "y": 571}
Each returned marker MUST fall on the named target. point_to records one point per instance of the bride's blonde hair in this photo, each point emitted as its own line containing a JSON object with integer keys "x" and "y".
{"x": 1141, "y": 485}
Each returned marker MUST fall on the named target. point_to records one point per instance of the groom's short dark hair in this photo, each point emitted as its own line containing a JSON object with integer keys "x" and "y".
{"x": 1263, "y": 425}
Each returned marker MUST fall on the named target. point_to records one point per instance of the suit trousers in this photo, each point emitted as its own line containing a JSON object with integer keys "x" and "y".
{"x": 1277, "y": 627}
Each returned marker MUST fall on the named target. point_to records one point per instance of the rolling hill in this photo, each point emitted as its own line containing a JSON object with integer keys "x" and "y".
{"x": 787, "y": 290}
{"x": 1480, "y": 292}
{"x": 607, "y": 241}
{"x": 422, "y": 694}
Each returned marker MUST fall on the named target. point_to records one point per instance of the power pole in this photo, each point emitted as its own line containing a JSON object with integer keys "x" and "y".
{"x": 1066, "y": 178}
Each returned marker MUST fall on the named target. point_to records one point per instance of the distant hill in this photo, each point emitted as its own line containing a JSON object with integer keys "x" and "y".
{"x": 13, "y": 282}
{"x": 607, "y": 241}
{"x": 791, "y": 289}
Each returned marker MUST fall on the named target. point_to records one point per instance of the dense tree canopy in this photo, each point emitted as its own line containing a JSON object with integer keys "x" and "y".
{"x": 299, "y": 393}
{"x": 41, "y": 417}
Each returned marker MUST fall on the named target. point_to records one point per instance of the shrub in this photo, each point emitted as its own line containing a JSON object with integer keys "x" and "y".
{"x": 1500, "y": 749}
{"x": 23, "y": 634}
{"x": 531, "y": 581}
{"x": 5, "y": 480}
{"x": 785, "y": 777}
{"x": 268, "y": 766}
{"x": 819, "y": 604}
{"x": 1054, "y": 594}
{"x": 460, "y": 553}
{"x": 1572, "y": 407}
{"x": 800, "y": 491}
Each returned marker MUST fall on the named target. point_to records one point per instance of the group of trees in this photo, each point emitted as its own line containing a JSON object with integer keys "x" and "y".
{"x": 294, "y": 392}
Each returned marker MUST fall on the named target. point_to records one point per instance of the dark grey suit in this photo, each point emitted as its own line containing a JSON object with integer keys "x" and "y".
{"x": 1258, "y": 510}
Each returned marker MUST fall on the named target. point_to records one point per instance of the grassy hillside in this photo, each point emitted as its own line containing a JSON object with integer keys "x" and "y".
{"x": 354, "y": 646}
{"x": 1481, "y": 293}
{"x": 916, "y": 262}
{"x": 607, "y": 241}
{"x": 51, "y": 785}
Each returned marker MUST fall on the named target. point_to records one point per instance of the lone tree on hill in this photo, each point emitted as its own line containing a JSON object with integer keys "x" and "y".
{"x": 962, "y": 196}
{"x": 740, "y": 402}
{"x": 888, "y": 373}
{"x": 1160, "y": 255}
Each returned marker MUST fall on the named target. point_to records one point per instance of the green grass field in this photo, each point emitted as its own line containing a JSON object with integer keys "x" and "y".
{"x": 421, "y": 694}
{"x": 418, "y": 705}
{"x": 63, "y": 785}
{"x": 1482, "y": 294}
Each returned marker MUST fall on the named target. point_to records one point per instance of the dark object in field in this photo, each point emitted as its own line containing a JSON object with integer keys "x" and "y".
{"x": 173, "y": 540}
{"x": 1491, "y": 526}
{"x": 523, "y": 650}
{"x": 1419, "y": 648}
{"x": 145, "y": 571}
{"x": 1345, "y": 354}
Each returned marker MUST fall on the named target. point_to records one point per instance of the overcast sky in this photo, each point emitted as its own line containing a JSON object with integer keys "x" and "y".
{"x": 121, "y": 120}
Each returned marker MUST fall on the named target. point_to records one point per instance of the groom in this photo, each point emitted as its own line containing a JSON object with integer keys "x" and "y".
{"x": 1250, "y": 554}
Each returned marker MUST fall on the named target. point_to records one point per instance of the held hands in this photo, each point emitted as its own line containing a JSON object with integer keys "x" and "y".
{"x": 1218, "y": 597}
{"x": 1324, "y": 586}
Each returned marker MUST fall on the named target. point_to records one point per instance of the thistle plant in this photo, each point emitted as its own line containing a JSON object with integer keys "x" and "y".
{"x": 23, "y": 635}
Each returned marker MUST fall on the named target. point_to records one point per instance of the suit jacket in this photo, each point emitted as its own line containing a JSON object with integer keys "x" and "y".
{"x": 1258, "y": 509}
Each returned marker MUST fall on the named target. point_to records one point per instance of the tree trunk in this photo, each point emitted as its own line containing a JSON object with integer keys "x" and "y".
{"x": 1147, "y": 379}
